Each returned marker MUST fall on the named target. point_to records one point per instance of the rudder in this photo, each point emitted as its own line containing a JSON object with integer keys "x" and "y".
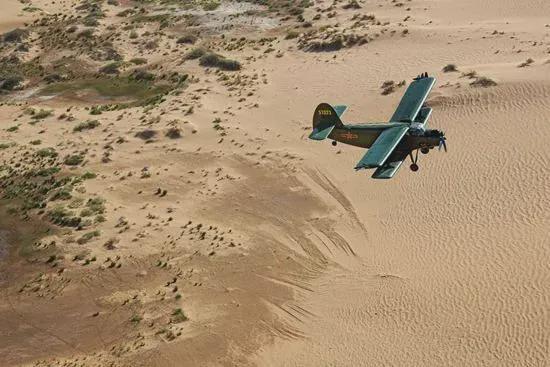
{"x": 325, "y": 117}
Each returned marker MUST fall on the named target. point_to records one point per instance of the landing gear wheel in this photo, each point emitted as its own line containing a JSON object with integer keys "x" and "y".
{"x": 414, "y": 167}
{"x": 334, "y": 143}
{"x": 424, "y": 150}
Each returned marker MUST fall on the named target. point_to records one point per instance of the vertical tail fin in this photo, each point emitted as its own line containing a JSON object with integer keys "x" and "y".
{"x": 325, "y": 119}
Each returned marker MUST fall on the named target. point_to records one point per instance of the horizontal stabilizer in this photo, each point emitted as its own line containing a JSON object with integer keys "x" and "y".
{"x": 317, "y": 134}
{"x": 383, "y": 147}
{"x": 340, "y": 110}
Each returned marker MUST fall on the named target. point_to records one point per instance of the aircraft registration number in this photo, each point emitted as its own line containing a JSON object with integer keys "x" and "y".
{"x": 325, "y": 112}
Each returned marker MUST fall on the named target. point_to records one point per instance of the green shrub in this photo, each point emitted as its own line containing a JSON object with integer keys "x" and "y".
{"x": 195, "y": 53}
{"x": 46, "y": 152}
{"x": 86, "y": 125}
{"x": 74, "y": 160}
{"x": 211, "y": 59}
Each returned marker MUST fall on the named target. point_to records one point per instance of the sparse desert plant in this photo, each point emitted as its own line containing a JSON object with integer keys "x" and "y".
{"x": 292, "y": 34}
{"x": 96, "y": 205}
{"x": 86, "y": 237}
{"x": 527, "y": 62}
{"x": 74, "y": 160}
{"x": 42, "y": 114}
{"x": 470, "y": 74}
{"x": 63, "y": 194}
{"x": 46, "y": 152}
{"x": 16, "y": 35}
{"x": 179, "y": 316}
{"x": 173, "y": 133}
{"x": 63, "y": 217}
{"x": 352, "y": 4}
{"x": 142, "y": 75}
{"x": 136, "y": 319}
{"x": 138, "y": 61}
{"x": 210, "y": 5}
{"x": 187, "y": 38}
{"x": 450, "y": 68}
{"x": 10, "y": 82}
{"x": 211, "y": 59}
{"x": 86, "y": 125}
{"x": 483, "y": 82}
{"x": 146, "y": 134}
{"x": 35, "y": 142}
{"x": 6, "y": 145}
{"x": 111, "y": 68}
{"x": 195, "y": 53}
{"x": 88, "y": 175}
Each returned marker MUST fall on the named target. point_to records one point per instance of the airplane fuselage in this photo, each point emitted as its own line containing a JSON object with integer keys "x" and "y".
{"x": 364, "y": 136}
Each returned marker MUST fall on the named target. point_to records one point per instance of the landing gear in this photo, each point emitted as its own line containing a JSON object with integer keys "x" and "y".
{"x": 334, "y": 143}
{"x": 414, "y": 167}
{"x": 424, "y": 150}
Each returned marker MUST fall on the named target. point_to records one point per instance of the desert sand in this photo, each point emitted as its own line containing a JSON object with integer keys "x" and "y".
{"x": 166, "y": 211}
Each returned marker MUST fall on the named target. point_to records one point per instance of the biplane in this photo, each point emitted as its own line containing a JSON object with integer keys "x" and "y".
{"x": 388, "y": 144}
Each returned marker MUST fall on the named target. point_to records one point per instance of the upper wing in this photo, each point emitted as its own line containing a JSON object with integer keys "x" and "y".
{"x": 413, "y": 99}
{"x": 383, "y": 147}
{"x": 340, "y": 110}
{"x": 391, "y": 166}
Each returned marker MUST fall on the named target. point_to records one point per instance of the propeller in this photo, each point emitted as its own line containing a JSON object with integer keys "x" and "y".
{"x": 442, "y": 143}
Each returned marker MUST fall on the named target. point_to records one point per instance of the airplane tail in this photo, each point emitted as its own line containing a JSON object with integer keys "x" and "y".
{"x": 325, "y": 119}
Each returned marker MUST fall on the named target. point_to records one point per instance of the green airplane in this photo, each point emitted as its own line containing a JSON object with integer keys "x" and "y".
{"x": 388, "y": 144}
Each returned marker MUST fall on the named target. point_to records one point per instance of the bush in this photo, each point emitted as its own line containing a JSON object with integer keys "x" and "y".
{"x": 46, "y": 152}
{"x": 17, "y": 35}
{"x": 42, "y": 114}
{"x": 74, "y": 160}
{"x": 179, "y": 316}
{"x": 195, "y": 53}
{"x": 146, "y": 134}
{"x": 173, "y": 133}
{"x": 483, "y": 82}
{"x": 111, "y": 68}
{"x": 10, "y": 83}
{"x": 450, "y": 68}
{"x": 87, "y": 125}
{"x": 211, "y": 59}
{"x": 188, "y": 38}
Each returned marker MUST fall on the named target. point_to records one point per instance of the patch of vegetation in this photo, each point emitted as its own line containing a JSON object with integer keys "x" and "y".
{"x": 63, "y": 217}
{"x": 73, "y": 160}
{"x": 15, "y": 36}
{"x": 138, "y": 61}
{"x": 146, "y": 134}
{"x": 483, "y": 82}
{"x": 86, "y": 237}
{"x": 173, "y": 133}
{"x": 187, "y": 39}
{"x": 110, "y": 88}
{"x": 86, "y": 125}
{"x": 450, "y": 68}
{"x": 6, "y": 145}
{"x": 211, "y": 59}
{"x": 41, "y": 115}
{"x": 46, "y": 152}
{"x": 88, "y": 175}
{"x": 179, "y": 316}
{"x": 195, "y": 53}
{"x": 527, "y": 62}
{"x": 210, "y": 5}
